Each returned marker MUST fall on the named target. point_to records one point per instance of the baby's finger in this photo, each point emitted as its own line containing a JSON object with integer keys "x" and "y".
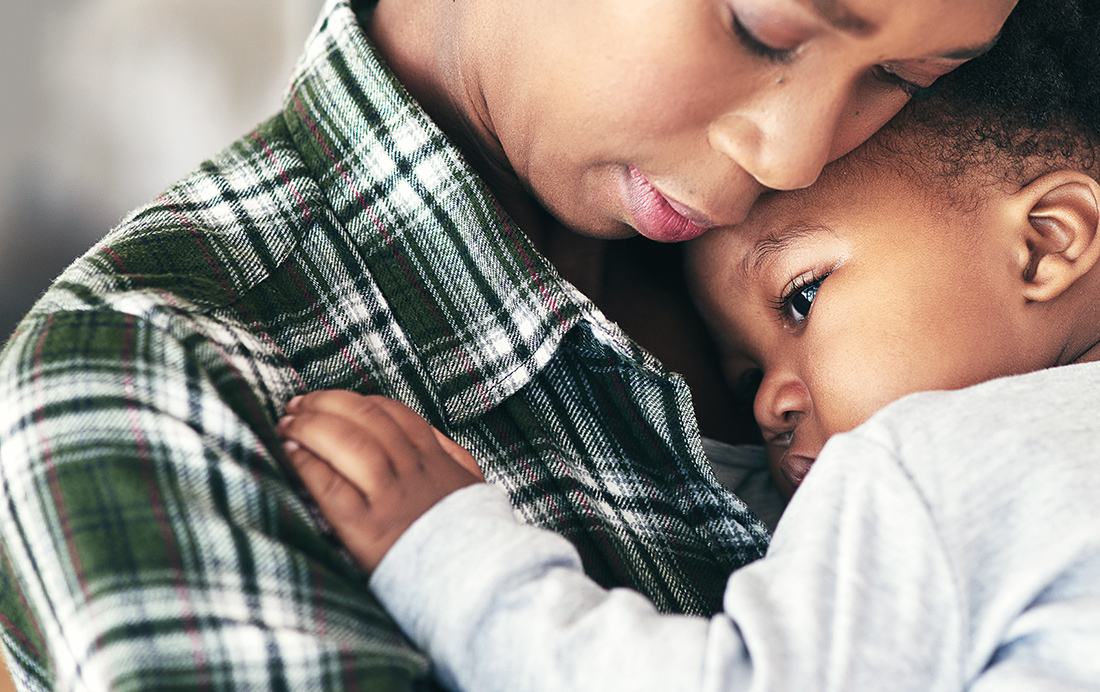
{"x": 433, "y": 445}
{"x": 338, "y": 401}
{"x": 459, "y": 454}
{"x": 398, "y": 428}
{"x": 364, "y": 454}
{"x": 347, "y": 509}
{"x": 369, "y": 410}
{"x": 363, "y": 407}
{"x": 418, "y": 431}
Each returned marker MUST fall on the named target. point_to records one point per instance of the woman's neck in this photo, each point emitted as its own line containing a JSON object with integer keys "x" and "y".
{"x": 421, "y": 42}
{"x": 635, "y": 282}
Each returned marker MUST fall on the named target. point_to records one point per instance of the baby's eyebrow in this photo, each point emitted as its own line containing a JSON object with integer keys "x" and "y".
{"x": 772, "y": 244}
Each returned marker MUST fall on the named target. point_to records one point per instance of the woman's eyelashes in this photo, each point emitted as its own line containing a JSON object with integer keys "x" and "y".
{"x": 758, "y": 47}
{"x": 795, "y": 303}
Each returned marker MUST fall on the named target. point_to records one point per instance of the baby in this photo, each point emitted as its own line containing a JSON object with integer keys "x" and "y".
{"x": 904, "y": 270}
{"x": 948, "y": 540}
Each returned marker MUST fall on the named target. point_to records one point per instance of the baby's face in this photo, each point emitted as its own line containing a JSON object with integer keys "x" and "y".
{"x": 849, "y": 295}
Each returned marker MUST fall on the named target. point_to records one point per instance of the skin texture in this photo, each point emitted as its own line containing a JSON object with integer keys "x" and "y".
{"x": 606, "y": 118}
{"x": 607, "y": 112}
{"x": 913, "y": 292}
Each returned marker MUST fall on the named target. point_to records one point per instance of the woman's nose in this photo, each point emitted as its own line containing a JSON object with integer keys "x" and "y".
{"x": 783, "y": 139}
{"x": 782, "y": 401}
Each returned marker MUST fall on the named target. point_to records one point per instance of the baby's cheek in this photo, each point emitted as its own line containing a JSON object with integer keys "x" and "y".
{"x": 847, "y": 400}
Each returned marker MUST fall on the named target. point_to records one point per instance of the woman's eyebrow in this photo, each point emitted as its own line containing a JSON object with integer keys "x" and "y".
{"x": 773, "y": 244}
{"x": 837, "y": 15}
{"x": 840, "y": 17}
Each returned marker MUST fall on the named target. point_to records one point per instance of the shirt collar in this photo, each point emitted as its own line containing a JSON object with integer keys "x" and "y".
{"x": 482, "y": 308}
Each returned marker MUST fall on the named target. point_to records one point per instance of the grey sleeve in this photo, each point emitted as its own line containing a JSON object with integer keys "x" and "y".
{"x": 499, "y": 605}
{"x": 854, "y": 595}
{"x": 857, "y": 591}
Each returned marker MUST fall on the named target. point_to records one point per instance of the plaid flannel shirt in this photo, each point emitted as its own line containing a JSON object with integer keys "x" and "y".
{"x": 152, "y": 534}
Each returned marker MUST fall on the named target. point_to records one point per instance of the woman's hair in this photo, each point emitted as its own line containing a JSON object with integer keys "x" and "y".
{"x": 1032, "y": 102}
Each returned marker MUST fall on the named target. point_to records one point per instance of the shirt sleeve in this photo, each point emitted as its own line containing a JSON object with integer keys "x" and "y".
{"x": 855, "y": 594}
{"x": 152, "y": 533}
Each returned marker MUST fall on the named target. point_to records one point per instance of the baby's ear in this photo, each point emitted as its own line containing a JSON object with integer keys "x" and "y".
{"x": 1059, "y": 242}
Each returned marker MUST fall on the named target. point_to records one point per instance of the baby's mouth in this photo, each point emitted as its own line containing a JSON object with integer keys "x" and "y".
{"x": 794, "y": 467}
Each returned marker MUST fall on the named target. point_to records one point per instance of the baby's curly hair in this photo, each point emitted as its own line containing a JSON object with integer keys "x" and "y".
{"x": 1031, "y": 104}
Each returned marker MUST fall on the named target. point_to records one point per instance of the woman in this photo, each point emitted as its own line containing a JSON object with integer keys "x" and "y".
{"x": 151, "y": 526}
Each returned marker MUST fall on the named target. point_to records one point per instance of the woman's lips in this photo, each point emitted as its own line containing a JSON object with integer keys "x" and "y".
{"x": 658, "y": 218}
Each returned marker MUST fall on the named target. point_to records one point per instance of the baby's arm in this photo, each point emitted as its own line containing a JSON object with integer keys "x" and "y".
{"x": 374, "y": 467}
{"x": 499, "y": 605}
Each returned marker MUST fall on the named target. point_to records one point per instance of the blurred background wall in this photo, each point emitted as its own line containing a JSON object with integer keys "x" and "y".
{"x": 103, "y": 103}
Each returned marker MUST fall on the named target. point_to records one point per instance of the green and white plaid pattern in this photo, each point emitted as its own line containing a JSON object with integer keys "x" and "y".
{"x": 152, "y": 535}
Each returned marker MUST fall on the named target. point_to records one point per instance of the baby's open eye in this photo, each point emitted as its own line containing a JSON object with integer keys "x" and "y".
{"x": 794, "y": 307}
{"x": 802, "y": 301}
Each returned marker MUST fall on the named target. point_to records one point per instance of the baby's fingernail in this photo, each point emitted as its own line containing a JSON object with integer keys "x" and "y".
{"x": 291, "y": 446}
{"x": 284, "y": 422}
{"x": 294, "y": 402}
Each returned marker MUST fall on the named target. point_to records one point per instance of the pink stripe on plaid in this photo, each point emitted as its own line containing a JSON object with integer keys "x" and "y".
{"x": 19, "y": 634}
{"x": 281, "y": 171}
{"x": 329, "y": 329}
{"x": 110, "y": 252}
{"x": 198, "y": 241}
{"x": 364, "y": 204}
{"x": 157, "y": 503}
{"x": 47, "y": 456}
{"x": 51, "y": 469}
{"x": 552, "y": 304}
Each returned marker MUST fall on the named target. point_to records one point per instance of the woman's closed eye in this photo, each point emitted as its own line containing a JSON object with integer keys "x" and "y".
{"x": 758, "y": 47}
{"x": 795, "y": 304}
{"x": 765, "y": 31}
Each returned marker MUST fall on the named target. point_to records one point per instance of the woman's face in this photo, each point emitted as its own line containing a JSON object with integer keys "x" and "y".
{"x": 668, "y": 117}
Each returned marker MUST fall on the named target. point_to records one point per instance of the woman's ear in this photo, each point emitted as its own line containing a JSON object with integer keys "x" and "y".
{"x": 1059, "y": 240}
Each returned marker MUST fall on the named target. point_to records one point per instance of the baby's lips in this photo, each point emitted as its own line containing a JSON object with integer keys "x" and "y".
{"x": 794, "y": 467}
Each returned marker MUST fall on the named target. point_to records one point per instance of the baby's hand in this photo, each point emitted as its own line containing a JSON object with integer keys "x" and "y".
{"x": 372, "y": 464}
